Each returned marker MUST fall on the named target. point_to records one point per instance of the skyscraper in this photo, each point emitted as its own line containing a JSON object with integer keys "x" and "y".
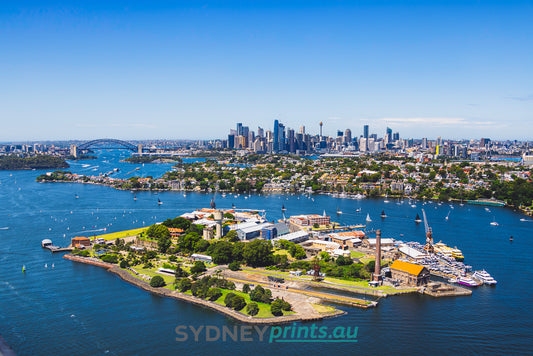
{"x": 275, "y": 137}
{"x": 239, "y": 129}
{"x": 365, "y": 131}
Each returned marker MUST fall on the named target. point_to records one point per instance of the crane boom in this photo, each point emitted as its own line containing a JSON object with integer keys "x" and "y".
{"x": 429, "y": 234}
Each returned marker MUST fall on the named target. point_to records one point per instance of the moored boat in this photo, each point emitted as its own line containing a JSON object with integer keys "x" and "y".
{"x": 467, "y": 281}
{"x": 484, "y": 277}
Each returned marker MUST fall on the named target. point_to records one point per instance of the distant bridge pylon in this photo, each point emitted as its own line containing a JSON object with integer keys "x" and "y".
{"x": 108, "y": 143}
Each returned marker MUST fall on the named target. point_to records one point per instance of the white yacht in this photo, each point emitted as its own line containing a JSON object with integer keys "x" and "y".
{"x": 485, "y": 277}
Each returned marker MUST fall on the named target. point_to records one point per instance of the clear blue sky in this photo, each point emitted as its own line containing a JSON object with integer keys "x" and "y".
{"x": 135, "y": 69}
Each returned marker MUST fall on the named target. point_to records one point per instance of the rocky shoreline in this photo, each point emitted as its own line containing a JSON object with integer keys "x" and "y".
{"x": 126, "y": 276}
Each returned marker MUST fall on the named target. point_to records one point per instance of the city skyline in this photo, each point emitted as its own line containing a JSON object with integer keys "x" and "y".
{"x": 459, "y": 70}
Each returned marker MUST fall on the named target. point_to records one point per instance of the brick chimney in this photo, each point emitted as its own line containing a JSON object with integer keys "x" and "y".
{"x": 377, "y": 268}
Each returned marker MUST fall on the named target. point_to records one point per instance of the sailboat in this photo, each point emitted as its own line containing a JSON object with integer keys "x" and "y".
{"x": 159, "y": 201}
{"x": 417, "y": 219}
{"x": 135, "y": 197}
{"x": 386, "y": 200}
{"x": 338, "y": 211}
{"x": 448, "y": 216}
{"x": 76, "y": 196}
{"x": 368, "y": 218}
{"x": 23, "y": 268}
{"x": 383, "y": 215}
{"x": 283, "y": 207}
{"x": 494, "y": 223}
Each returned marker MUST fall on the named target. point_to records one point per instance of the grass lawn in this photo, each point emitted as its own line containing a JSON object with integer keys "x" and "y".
{"x": 121, "y": 234}
{"x": 152, "y": 272}
{"x": 358, "y": 284}
{"x": 264, "y": 309}
{"x": 355, "y": 254}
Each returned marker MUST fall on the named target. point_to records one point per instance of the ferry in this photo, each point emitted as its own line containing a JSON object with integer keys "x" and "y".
{"x": 484, "y": 277}
{"x": 454, "y": 253}
{"x": 467, "y": 281}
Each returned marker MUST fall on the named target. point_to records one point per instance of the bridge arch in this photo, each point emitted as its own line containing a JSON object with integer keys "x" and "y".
{"x": 108, "y": 143}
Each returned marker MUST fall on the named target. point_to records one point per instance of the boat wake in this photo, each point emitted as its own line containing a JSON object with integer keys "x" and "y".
{"x": 4, "y": 228}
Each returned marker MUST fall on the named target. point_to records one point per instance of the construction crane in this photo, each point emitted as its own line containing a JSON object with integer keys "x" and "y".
{"x": 429, "y": 235}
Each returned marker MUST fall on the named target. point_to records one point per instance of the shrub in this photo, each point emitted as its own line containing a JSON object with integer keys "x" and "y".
{"x": 278, "y": 306}
{"x": 238, "y": 302}
{"x": 252, "y": 308}
{"x": 172, "y": 258}
{"x": 109, "y": 258}
{"x": 229, "y": 299}
{"x": 124, "y": 264}
{"x": 234, "y": 266}
{"x": 157, "y": 281}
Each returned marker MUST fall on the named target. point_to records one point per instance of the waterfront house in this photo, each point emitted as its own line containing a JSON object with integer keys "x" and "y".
{"x": 80, "y": 242}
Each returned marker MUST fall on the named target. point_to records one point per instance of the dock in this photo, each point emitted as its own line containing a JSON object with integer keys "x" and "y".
{"x": 53, "y": 248}
{"x": 438, "y": 289}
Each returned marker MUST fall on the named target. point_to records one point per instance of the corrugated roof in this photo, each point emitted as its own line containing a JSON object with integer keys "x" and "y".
{"x": 408, "y": 267}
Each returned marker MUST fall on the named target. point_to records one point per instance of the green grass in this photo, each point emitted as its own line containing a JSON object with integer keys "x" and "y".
{"x": 355, "y": 254}
{"x": 357, "y": 284}
{"x": 121, "y": 234}
{"x": 264, "y": 309}
{"x": 152, "y": 272}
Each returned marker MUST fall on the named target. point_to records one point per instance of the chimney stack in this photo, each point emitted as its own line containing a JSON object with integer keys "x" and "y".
{"x": 377, "y": 268}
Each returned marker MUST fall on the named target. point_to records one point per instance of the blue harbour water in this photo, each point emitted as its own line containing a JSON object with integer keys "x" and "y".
{"x": 80, "y": 309}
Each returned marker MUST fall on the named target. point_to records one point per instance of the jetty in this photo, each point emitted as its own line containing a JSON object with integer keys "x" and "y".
{"x": 47, "y": 244}
{"x": 437, "y": 289}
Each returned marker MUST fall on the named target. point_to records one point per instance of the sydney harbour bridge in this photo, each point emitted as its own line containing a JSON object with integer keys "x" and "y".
{"x": 107, "y": 143}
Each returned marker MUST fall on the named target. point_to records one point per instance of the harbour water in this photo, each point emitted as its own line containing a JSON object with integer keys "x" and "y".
{"x": 80, "y": 309}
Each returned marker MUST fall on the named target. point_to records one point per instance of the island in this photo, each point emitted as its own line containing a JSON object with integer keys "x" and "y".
{"x": 255, "y": 271}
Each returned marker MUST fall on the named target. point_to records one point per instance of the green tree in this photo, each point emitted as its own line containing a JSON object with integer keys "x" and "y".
{"x": 158, "y": 231}
{"x": 214, "y": 293}
{"x": 258, "y": 253}
{"x": 246, "y": 288}
{"x": 232, "y": 236}
{"x": 198, "y": 267}
{"x": 229, "y": 298}
{"x": 234, "y": 266}
{"x": 252, "y": 308}
{"x": 184, "y": 285}
{"x": 163, "y": 244}
{"x": 157, "y": 281}
{"x": 238, "y": 302}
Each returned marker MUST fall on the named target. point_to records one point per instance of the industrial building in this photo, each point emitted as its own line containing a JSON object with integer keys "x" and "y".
{"x": 409, "y": 273}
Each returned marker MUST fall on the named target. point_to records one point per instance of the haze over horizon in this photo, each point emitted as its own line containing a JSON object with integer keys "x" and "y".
{"x": 188, "y": 70}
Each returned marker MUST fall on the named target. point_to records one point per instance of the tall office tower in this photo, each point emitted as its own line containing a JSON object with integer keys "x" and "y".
{"x": 275, "y": 137}
{"x": 251, "y": 138}
{"x": 388, "y": 135}
{"x": 307, "y": 142}
{"x": 424, "y": 143}
{"x": 320, "y": 128}
{"x": 348, "y": 135}
{"x": 300, "y": 141}
{"x": 339, "y": 133}
{"x": 245, "y": 131}
{"x": 239, "y": 129}
{"x": 290, "y": 140}
{"x": 396, "y": 136}
{"x": 281, "y": 137}
{"x": 439, "y": 141}
{"x": 231, "y": 141}
{"x": 365, "y": 131}
{"x": 302, "y": 130}
{"x": 363, "y": 144}
{"x": 260, "y": 132}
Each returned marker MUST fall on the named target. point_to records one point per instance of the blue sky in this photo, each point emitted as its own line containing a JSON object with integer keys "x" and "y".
{"x": 134, "y": 70}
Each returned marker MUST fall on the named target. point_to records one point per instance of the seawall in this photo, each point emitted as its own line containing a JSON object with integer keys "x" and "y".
{"x": 128, "y": 277}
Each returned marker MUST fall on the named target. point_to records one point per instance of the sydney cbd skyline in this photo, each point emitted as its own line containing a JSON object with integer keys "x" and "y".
{"x": 186, "y": 70}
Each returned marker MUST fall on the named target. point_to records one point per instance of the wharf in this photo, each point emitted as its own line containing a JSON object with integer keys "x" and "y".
{"x": 58, "y": 249}
{"x": 437, "y": 289}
